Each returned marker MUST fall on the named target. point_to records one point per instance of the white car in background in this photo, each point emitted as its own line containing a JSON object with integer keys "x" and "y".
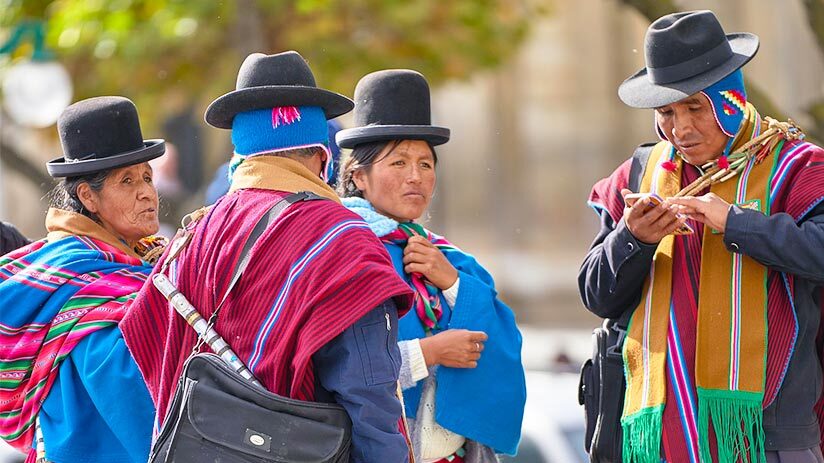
{"x": 553, "y": 429}
{"x": 9, "y": 455}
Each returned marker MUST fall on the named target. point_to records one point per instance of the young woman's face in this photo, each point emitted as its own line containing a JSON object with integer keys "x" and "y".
{"x": 400, "y": 184}
{"x": 127, "y": 205}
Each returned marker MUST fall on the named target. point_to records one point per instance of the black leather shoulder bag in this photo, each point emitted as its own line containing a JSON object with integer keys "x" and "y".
{"x": 602, "y": 384}
{"x": 218, "y": 415}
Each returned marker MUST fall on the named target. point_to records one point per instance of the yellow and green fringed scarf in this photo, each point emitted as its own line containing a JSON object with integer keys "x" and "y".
{"x": 731, "y": 345}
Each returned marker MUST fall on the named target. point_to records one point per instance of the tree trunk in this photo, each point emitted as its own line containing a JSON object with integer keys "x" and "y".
{"x": 13, "y": 159}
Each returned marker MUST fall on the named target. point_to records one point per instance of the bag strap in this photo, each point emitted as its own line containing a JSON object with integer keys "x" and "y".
{"x": 636, "y": 172}
{"x": 262, "y": 224}
{"x": 620, "y": 326}
{"x": 639, "y": 165}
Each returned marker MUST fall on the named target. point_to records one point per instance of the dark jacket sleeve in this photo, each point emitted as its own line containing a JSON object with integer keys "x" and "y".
{"x": 11, "y": 238}
{"x": 360, "y": 369}
{"x": 613, "y": 273}
{"x": 778, "y": 242}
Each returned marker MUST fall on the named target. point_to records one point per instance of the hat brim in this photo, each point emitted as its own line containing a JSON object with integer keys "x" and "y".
{"x": 349, "y": 138}
{"x": 639, "y": 92}
{"x": 61, "y": 168}
{"x": 222, "y": 111}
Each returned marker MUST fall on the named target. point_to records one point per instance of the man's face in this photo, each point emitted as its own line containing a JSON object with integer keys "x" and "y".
{"x": 690, "y": 125}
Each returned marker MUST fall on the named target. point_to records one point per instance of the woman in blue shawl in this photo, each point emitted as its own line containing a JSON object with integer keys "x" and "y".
{"x": 461, "y": 371}
{"x": 70, "y": 390}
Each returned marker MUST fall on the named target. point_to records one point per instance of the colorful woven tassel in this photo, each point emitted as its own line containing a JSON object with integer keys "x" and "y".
{"x": 723, "y": 162}
{"x": 669, "y": 165}
{"x": 284, "y": 115}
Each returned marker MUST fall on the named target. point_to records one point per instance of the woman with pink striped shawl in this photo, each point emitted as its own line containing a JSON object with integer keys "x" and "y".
{"x": 71, "y": 391}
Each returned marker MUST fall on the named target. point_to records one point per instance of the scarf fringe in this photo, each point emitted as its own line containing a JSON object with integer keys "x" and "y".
{"x": 737, "y": 419}
{"x": 642, "y": 435}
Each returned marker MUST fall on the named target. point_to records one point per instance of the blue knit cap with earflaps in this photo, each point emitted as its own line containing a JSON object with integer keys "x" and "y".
{"x": 278, "y": 129}
{"x": 728, "y": 99}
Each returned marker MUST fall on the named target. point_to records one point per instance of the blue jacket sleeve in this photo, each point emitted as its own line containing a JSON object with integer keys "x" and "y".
{"x": 613, "y": 273}
{"x": 778, "y": 242}
{"x": 360, "y": 368}
{"x": 116, "y": 388}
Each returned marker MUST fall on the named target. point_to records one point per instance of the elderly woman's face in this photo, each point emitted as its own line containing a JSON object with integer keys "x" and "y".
{"x": 400, "y": 184}
{"x": 127, "y": 204}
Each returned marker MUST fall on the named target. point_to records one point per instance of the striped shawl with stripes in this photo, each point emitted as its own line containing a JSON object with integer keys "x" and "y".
{"x": 316, "y": 270}
{"x": 52, "y": 294}
{"x": 795, "y": 190}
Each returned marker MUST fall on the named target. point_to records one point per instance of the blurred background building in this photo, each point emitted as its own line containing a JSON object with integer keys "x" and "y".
{"x": 528, "y": 87}
{"x": 530, "y": 138}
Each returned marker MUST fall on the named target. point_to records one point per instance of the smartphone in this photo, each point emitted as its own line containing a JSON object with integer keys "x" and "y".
{"x": 654, "y": 201}
{"x": 632, "y": 198}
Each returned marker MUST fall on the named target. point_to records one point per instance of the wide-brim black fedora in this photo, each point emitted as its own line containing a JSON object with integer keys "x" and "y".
{"x": 268, "y": 81}
{"x": 100, "y": 134}
{"x": 392, "y": 105}
{"x": 685, "y": 53}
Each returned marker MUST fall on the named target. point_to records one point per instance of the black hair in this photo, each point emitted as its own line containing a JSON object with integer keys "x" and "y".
{"x": 64, "y": 194}
{"x": 300, "y": 152}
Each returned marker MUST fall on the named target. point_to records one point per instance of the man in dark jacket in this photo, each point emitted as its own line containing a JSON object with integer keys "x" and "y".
{"x": 315, "y": 315}
{"x": 10, "y": 238}
{"x": 720, "y": 271}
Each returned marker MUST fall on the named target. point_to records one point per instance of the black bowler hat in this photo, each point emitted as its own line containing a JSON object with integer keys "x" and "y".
{"x": 99, "y": 134}
{"x": 269, "y": 81}
{"x": 392, "y": 105}
{"x": 685, "y": 53}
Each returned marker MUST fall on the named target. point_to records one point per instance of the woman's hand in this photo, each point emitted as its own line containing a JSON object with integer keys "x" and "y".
{"x": 421, "y": 256}
{"x": 454, "y": 348}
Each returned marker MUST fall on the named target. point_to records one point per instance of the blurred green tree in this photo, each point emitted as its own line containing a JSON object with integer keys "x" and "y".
{"x": 157, "y": 51}
{"x": 166, "y": 54}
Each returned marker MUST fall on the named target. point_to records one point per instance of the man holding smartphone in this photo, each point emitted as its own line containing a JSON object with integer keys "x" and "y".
{"x": 720, "y": 357}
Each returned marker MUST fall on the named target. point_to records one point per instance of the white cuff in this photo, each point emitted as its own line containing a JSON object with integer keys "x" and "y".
{"x": 417, "y": 362}
{"x": 451, "y": 293}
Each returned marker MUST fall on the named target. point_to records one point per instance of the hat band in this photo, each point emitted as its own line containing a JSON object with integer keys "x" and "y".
{"x": 692, "y": 67}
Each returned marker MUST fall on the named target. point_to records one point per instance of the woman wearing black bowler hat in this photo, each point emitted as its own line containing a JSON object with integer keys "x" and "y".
{"x": 461, "y": 372}
{"x": 71, "y": 391}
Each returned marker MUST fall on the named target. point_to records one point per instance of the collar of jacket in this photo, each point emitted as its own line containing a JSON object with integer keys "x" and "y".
{"x": 279, "y": 174}
{"x": 61, "y": 223}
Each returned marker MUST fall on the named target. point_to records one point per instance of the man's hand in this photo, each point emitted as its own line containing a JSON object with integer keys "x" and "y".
{"x": 651, "y": 224}
{"x": 421, "y": 256}
{"x": 454, "y": 348}
{"x": 709, "y": 209}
